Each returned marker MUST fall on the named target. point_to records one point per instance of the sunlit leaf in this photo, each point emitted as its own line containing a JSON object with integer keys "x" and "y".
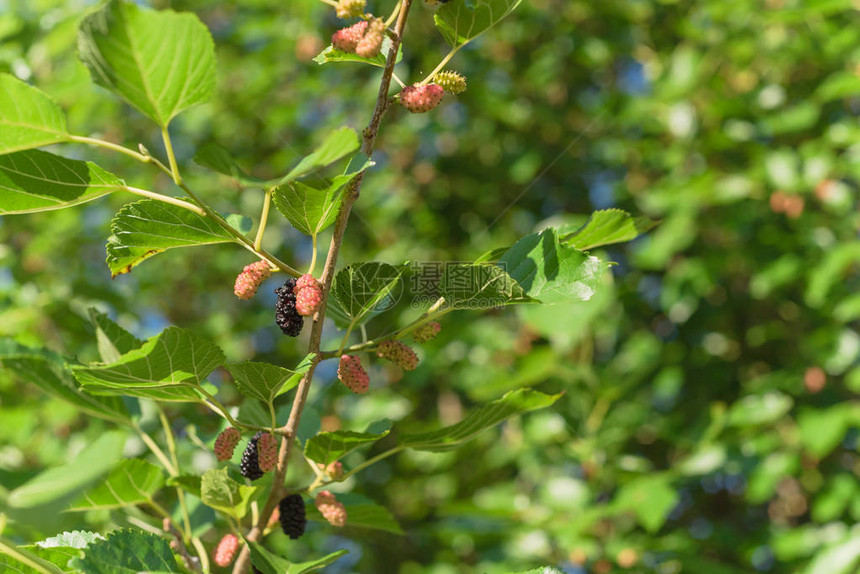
{"x": 28, "y": 117}
{"x": 328, "y": 447}
{"x": 265, "y": 381}
{"x": 159, "y": 62}
{"x": 149, "y": 227}
{"x": 606, "y": 227}
{"x": 50, "y": 373}
{"x": 336, "y": 146}
{"x": 168, "y": 367}
{"x": 270, "y": 563}
{"x": 73, "y": 539}
{"x": 366, "y": 289}
{"x": 132, "y": 482}
{"x": 19, "y": 560}
{"x": 460, "y": 21}
{"x": 551, "y": 272}
{"x": 113, "y": 340}
{"x": 479, "y": 286}
{"x": 34, "y": 180}
{"x": 129, "y": 552}
{"x": 225, "y": 494}
{"x": 60, "y": 550}
{"x": 311, "y": 205}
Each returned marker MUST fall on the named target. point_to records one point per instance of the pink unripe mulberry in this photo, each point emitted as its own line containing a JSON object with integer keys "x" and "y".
{"x": 370, "y": 45}
{"x": 250, "y": 279}
{"x": 267, "y": 451}
{"x": 226, "y": 550}
{"x": 330, "y": 508}
{"x": 419, "y": 99}
{"x": 308, "y": 293}
{"x": 426, "y": 332}
{"x": 352, "y": 374}
{"x": 346, "y": 39}
{"x": 306, "y": 280}
{"x": 226, "y": 443}
{"x": 398, "y": 353}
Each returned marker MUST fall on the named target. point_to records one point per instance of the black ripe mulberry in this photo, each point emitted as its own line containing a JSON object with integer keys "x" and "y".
{"x": 286, "y": 316}
{"x": 250, "y": 465}
{"x": 292, "y": 515}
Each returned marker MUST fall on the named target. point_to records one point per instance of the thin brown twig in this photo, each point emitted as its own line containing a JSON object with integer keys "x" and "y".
{"x": 178, "y": 546}
{"x": 350, "y": 197}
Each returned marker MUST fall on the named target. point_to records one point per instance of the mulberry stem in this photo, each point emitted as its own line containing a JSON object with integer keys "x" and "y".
{"x": 171, "y": 157}
{"x": 394, "y": 14}
{"x": 350, "y": 196}
{"x": 165, "y": 199}
{"x": 434, "y": 312}
{"x": 216, "y": 406}
{"x": 240, "y": 238}
{"x": 33, "y": 562}
{"x": 156, "y": 450}
{"x": 201, "y": 207}
{"x": 398, "y": 80}
{"x": 314, "y": 255}
{"x": 365, "y": 464}
{"x": 108, "y": 145}
{"x": 272, "y": 415}
{"x": 171, "y": 448}
{"x": 264, "y": 219}
{"x": 441, "y": 65}
{"x": 345, "y": 338}
{"x": 201, "y": 553}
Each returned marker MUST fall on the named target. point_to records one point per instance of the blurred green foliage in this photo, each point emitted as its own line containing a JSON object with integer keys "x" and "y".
{"x": 710, "y": 421}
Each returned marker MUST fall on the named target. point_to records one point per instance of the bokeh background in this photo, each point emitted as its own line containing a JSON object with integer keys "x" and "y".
{"x": 710, "y": 417}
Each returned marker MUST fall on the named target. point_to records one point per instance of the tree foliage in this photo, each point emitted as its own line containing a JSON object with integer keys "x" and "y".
{"x": 700, "y": 407}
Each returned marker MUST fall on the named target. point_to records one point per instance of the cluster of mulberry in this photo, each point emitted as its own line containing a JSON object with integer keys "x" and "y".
{"x": 363, "y": 38}
{"x": 308, "y": 295}
{"x": 286, "y": 316}
{"x": 292, "y": 515}
{"x": 398, "y": 353}
{"x": 226, "y": 550}
{"x": 250, "y": 279}
{"x": 426, "y": 332}
{"x": 330, "y": 508}
{"x": 250, "y": 465}
{"x": 352, "y": 374}
{"x": 350, "y": 8}
{"x": 226, "y": 443}
{"x": 419, "y": 99}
